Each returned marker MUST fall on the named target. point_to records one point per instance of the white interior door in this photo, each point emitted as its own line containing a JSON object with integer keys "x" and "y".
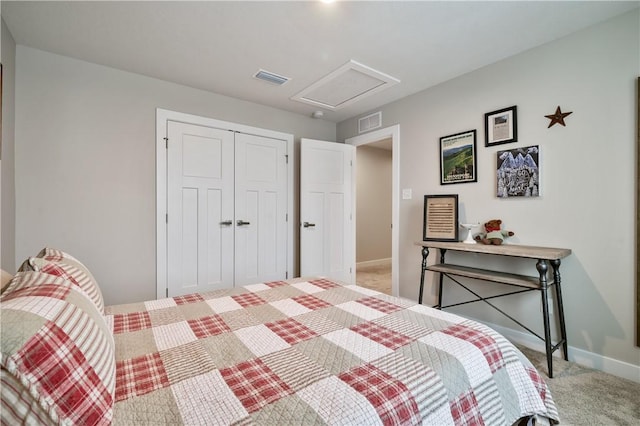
{"x": 200, "y": 182}
{"x": 200, "y": 210}
{"x": 260, "y": 209}
{"x": 327, "y": 237}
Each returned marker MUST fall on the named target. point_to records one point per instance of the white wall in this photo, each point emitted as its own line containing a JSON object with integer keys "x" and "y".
{"x": 85, "y": 162}
{"x": 7, "y": 168}
{"x": 373, "y": 203}
{"x": 588, "y": 188}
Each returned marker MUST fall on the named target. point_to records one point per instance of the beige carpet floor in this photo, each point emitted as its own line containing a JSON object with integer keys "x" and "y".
{"x": 589, "y": 397}
{"x": 583, "y": 396}
{"x": 374, "y": 277}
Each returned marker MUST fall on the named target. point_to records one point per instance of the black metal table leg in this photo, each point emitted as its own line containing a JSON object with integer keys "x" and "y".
{"x": 555, "y": 264}
{"x": 442, "y": 253}
{"x": 425, "y": 254}
{"x": 542, "y": 268}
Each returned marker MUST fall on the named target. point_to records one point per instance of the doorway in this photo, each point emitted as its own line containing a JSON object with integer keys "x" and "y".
{"x": 388, "y": 137}
{"x": 373, "y": 215}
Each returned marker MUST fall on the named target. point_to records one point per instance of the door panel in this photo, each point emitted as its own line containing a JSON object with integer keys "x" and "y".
{"x": 261, "y": 200}
{"x": 247, "y": 235}
{"x": 189, "y": 235}
{"x": 336, "y": 226}
{"x": 201, "y": 156}
{"x": 327, "y": 241}
{"x": 215, "y": 241}
{"x": 269, "y": 242}
{"x": 199, "y": 200}
{"x": 312, "y": 237}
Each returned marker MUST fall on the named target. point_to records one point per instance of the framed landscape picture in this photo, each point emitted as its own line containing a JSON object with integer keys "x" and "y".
{"x": 458, "y": 159}
{"x": 518, "y": 172}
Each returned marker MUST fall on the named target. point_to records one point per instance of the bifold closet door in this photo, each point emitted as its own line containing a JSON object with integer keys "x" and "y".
{"x": 260, "y": 209}
{"x": 227, "y": 209}
{"x": 200, "y": 210}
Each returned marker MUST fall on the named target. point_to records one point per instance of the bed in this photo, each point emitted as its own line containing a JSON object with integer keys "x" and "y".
{"x": 302, "y": 351}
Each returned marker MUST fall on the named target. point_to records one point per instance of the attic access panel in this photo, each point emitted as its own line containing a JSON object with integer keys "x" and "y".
{"x": 344, "y": 86}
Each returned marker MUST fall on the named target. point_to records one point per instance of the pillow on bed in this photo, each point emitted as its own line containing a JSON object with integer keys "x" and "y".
{"x": 57, "y": 354}
{"x": 68, "y": 267}
{"x": 5, "y": 277}
{"x": 74, "y": 272}
{"x": 18, "y": 406}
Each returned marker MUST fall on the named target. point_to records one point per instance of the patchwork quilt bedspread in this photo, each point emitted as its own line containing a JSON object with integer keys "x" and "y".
{"x": 315, "y": 352}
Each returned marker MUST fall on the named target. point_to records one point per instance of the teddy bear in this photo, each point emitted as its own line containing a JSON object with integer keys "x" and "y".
{"x": 494, "y": 234}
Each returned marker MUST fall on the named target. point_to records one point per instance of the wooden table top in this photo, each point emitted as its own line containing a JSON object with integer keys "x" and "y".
{"x": 515, "y": 250}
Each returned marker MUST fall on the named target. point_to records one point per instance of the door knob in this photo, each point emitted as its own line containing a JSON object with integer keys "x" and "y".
{"x": 226, "y": 222}
{"x": 242, "y": 223}
{"x": 308, "y": 225}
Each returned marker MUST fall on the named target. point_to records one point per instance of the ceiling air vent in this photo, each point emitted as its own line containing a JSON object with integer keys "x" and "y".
{"x": 270, "y": 77}
{"x": 370, "y": 122}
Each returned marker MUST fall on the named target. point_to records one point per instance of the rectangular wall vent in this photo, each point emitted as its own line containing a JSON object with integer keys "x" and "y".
{"x": 270, "y": 77}
{"x": 370, "y": 122}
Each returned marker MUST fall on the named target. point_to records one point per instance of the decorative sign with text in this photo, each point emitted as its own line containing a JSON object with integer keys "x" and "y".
{"x": 440, "y": 218}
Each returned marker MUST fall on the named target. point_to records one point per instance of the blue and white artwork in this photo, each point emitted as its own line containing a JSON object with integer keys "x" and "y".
{"x": 518, "y": 172}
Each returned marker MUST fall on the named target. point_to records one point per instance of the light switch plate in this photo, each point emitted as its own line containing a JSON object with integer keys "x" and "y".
{"x": 406, "y": 194}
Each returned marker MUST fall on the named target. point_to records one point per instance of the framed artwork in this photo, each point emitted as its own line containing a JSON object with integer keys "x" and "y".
{"x": 440, "y": 220}
{"x": 458, "y": 160}
{"x": 501, "y": 126}
{"x": 518, "y": 172}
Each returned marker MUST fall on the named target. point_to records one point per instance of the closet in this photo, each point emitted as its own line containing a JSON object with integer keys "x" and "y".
{"x": 227, "y": 206}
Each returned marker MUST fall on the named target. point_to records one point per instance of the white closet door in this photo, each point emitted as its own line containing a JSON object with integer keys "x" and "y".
{"x": 200, "y": 208}
{"x": 327, "y": 233}
{"x": 260, "y": 209}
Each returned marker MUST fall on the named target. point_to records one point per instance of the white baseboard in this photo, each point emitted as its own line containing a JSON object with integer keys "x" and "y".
{"x": 375, "y": 262}
{"x": 579, "y": 356}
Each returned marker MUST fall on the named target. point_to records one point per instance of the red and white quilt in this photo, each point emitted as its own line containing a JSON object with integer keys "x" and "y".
{"x": 315, "y": 352}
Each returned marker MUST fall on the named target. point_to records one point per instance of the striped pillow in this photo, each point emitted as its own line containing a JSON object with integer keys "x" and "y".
{"x": 77, "y": 275}
{"x": 58, "y": 355}
{"x": 58, "y": 256}
{"x": 18, "y": 406}
{"x": 61, "y": 264}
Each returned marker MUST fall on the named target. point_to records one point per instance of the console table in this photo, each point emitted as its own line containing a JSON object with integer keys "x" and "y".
{"x": 542, "y": 255}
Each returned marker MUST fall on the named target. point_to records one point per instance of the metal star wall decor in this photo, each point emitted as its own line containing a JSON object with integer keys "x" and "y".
{"x": 558, "y": 117}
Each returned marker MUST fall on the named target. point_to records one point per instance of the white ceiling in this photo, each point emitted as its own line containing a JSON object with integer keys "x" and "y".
{"x": 219, "y": 46}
